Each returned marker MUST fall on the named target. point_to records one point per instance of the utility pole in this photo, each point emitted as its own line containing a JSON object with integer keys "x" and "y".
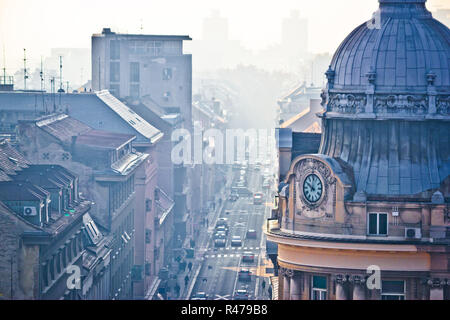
{"x": 60, "y": 74}
{"x": 41, "y": 74}
{"x": 25, "y": 76}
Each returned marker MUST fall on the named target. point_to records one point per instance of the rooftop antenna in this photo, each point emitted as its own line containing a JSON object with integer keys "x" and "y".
{"x": 142, "y": 27}
{"x": 41, "y": 74}
{"x": 60, "y": 75}
{"x": 52, "y": 88}
{"x": 25, "y": 76}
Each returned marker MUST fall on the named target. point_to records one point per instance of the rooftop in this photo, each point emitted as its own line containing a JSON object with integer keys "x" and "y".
{"x": 99, "y": 110}
{"x": 108, "y": 32}
{"x": 63, "y": 128}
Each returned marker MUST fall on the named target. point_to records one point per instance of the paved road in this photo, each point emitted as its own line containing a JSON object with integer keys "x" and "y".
{"x": 218, "y": 275}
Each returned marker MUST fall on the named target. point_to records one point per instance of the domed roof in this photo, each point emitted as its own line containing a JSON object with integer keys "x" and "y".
{"x": 401, "y": 49}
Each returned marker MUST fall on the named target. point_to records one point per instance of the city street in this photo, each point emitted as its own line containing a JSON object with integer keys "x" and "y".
{"x": 218, "y": 276}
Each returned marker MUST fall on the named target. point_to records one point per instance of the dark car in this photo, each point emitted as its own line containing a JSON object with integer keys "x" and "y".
{"x": 233, "y": 197}
{"x": 236, "y": 241}
{"x": 251, "y": 234}
{"x": 222, "y": 222}
{"x": 220, "y": 235}
{"x": 248, "y": 257}
{"x": 200, "y": 296}
{"x": 220, "y": 242}
{"x": 244, "y": 275}
{"x": 222, "y": 228}
{"x": 240, "y": 295}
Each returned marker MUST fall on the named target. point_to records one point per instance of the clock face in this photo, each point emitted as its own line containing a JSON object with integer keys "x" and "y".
{"x": 312, "y": 188}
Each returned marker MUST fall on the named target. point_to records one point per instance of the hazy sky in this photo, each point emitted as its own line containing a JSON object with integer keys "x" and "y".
{"x": 39, "y": 25}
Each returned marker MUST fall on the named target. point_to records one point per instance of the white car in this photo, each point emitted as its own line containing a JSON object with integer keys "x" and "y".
{"x": 236, "y": 241}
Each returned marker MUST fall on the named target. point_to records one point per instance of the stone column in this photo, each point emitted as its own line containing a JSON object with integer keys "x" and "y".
{"x": 287, "y": 274}
{"x": 340, "y": 290}
{"x": 295, "y": 292}
{"x": 436, "y": 289}
{"x": 359, "y": 288}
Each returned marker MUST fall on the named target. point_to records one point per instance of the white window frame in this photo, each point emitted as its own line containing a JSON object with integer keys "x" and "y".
{"x": 394, "y": 294}
{"x": 378, "y": 224}
{"x": 323, "y": 293}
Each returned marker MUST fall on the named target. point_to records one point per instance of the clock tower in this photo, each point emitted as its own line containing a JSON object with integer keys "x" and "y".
{"x": 376, "y": 194}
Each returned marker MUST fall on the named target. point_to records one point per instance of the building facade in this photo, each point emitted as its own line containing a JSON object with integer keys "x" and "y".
{"x": 135, "y": 66}
{"x": 51, "y": 247}
{"x": 102, "y": 111}
{"x": 107, "y": 168}
{"x": 367, "y": 216}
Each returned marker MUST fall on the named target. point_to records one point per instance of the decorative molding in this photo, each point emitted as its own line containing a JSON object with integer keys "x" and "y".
{"x": 285, "y": 272}
{"x": 302, "y": 206}
{"x": 347, "y": 103}
{"x": 443, "y": 105}
{"x": 357, "y": 279}
{"x": 437, "y": 283}
{"x": 401, "y": 104}
{"x": 386, "y": 104}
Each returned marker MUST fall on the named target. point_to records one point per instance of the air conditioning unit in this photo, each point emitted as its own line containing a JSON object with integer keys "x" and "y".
{"x": 413, "y": 233}
{"x": 29, "y": 211}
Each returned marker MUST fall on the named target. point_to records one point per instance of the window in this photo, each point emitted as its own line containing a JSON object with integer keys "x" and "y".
{"x": 172, "y": 47}
{"x": 114, "y": 71}
{"x": 134, "y": 72}
{"x": 167, "y": 73}
{"x": 114, "y": 89}
{"x": 148, "y": 205}
{"x": 147, "y": 268}
{"x": 154, "y": 48}
{"x": 319, "y": 288}
{"x": 134, "y": 91}
{"x": 45, "y": 273}
{"x": 392, "y": 290}
{"x": 166, "y": 96}
{"x": 377, "y": 224}
{"x": 114, "y": 50}
{"x": 148, "y": 235}
{"x": 137, "y": 47}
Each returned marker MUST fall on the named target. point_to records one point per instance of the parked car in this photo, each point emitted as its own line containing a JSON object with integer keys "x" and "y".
{"x": 233, "y": 197}
{"x": 240, "y": 295}
{"x": 251, "y": 234}
{"x": 244, "y": 275}
{"x": 236, "y": 241}
{"x": 200, "y": 296}
{"x": 220, "y": 242}
{"x": 248, "y": 257}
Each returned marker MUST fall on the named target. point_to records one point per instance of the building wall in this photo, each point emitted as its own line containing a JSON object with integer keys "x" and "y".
{"x": 17, "y": 267}
{"x": 40, "y": 148}
{"x": 153, "y": 80}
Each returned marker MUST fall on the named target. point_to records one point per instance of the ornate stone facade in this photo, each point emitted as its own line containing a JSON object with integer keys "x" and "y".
{"x": 367, "y": 217}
